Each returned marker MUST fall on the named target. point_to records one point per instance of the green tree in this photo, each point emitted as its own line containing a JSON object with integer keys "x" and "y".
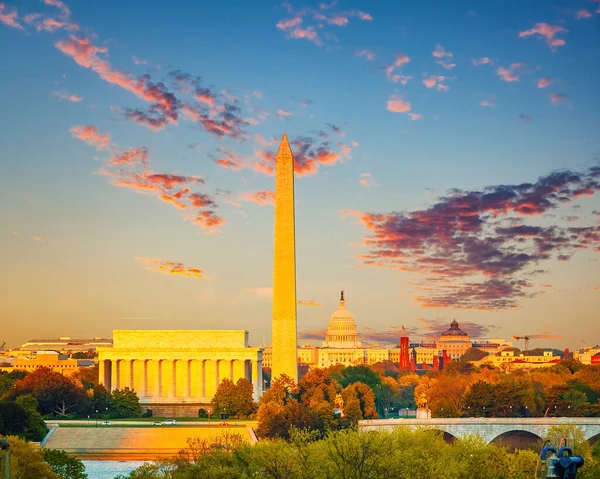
{"x": 63, "y": 465}
{"x": 473, "y": 354}
{"x": 478, "y": 399}
{"x": 35, "y": 427}
{"x": 87, "y": 376}
{"x": 101, "y": 399}
{"x": 126, "y": 403}
{"x": 26, "y": 462}
{"x": 357, "y": 374}
{"x": 13, "y": 418}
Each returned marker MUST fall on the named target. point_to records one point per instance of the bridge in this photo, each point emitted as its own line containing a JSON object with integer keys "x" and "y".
{"x": 490, "y": 429}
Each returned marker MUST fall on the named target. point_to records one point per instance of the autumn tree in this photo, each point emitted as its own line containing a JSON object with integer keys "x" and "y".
{"x": 234, "y": 399}
{"x": 87, "y": 377}
{"x": 362, "y": 393}
{"x": 55, "y": 393}
{"x": 478, "y": 399}
{"x": 26, "y": 462}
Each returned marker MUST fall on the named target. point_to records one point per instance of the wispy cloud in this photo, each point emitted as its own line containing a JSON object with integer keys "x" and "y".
{"x": 435, "y": 81}
{"x": 582, "y": 13}
{"x": 390, "y": 70}
{"x": 558, "y": 97}
{"x": 481, "y": 61}
{"x": 475, "y": 249}
{"x": 170, "y": 267}
{"x": 311, "y": 24}
{"x": 309, "y": 302}
{"x": 9, "y": 17}
{"x": 261, "y": 197}
{"x": 544, "y": 82}
{"x": 91, "y": 135}
{"x": 510, "y": 74}
{"x": 487, "y": 103}
{"x": 63, "y": 95}
{"x": 367, "y": 180}
{"x": 443, "y": 57}
{"x": 548, "y": 32}
{"x": 366, "y": 54}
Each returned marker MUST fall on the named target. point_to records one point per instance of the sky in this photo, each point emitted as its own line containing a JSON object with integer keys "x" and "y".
{"x": 447, "y": 161}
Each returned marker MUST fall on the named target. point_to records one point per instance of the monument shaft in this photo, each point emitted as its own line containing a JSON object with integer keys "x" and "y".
{"x": 284, "y": 271}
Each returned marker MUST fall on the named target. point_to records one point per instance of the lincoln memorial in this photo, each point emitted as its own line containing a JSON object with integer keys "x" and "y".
{"x": 176, "y": 372}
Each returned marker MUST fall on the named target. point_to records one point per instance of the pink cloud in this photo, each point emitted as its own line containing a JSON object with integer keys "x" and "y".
{"x": 281, "y": 113}
{"x": 340, "y": 21}
{"x": 367, "y": 180}
{"x": 481, "y": 61}
{"x": 9, "y": 18}
{"x": 439, "y": 52}
{"x": 130, "y": 156}
{"x": 435, "y": 81}
{"x": 548, "y": 32}
{"x": 64, "y": 10}
{"x": 558, "y": 97}
{"x": 509, "y": 74}
{"x": 170, "y": 267}
{"x": 366, "y": 54}
{"x": 583, "y": 13}
{"x": 544, "y": 82}
{"x": 364, "y": 16}
{"x": 398, "y": 63}
{"x": 415, "y": 116}
{"x": 63, "y": 95}
{"x": 397, "y": 105}
{"x": 91, "y": 135}
{"x": 486, "y": 103}
{"x": 262, "y": 197}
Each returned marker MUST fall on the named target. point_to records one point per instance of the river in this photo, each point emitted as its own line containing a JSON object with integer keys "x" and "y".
{"x": 109, "y": 469}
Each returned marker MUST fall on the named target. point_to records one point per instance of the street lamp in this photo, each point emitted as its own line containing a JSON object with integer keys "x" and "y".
{"x": 510, "y": 407}
{"x": 96, "y": 418}
{"x": 5, "y": 446}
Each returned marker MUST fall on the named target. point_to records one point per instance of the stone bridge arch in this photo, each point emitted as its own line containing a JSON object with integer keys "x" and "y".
{"x": 491, "y": 429}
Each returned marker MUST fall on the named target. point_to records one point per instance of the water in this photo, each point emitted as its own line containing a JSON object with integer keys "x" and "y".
{"x": 109, "y": 469}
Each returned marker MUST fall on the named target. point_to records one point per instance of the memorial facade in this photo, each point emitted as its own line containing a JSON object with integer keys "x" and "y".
{"x": 176, "y": 372}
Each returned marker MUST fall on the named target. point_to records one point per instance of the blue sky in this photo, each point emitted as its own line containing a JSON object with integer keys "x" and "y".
{"x": 392, "y": 108}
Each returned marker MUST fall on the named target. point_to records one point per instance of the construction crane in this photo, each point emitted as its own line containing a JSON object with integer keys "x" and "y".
{"x": 527, "y": 337}
{"x": 2, "y": 346}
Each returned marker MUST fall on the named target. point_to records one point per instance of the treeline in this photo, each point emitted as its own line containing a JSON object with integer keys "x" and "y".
{"x": 348, "y": 454}
{"x": 28, "y": 397}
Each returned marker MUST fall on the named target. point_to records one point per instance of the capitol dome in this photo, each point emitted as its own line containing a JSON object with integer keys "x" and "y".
{"x": 341, "y": 330}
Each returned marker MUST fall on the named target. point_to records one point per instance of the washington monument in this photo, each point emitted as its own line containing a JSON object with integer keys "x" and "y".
{"x": 284, "y": 271}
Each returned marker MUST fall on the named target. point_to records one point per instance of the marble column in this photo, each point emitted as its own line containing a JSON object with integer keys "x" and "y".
{"x": 102, "y": 373}
{"x": 139, "y": 377}
{"x": 181, "y": 373}
{"x": 167, "y": 378}
{"x": 196, "y": 378}
{"x": 114, "y": 374}
{"x": 256, "y": 379}
{"x": 239, "y": 370}
{"x": 152, "y": 378}
{"x": 211, "y": 378}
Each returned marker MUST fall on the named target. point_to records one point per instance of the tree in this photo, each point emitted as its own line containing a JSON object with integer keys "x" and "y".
{"x": 479, "y": 398}
{"x": 126, "y": 403}
{"x": 13, "y": 418}
{"x": 87, "y": 376}
{"x": 473, "y": 354}
{"x": 364, "y": 395}
{"x": 234, "y": 399}
{"x": 35, "y": 427}
{"x": 63, "y": 465}
{"x": 26, "y": 462}
{"x": 357, "y": 374}
{"x": 102, "y": 400}
{"x": 55, "y": 393}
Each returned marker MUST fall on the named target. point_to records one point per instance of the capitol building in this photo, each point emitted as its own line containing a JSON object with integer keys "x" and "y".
{"x": 342, "y": 345}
